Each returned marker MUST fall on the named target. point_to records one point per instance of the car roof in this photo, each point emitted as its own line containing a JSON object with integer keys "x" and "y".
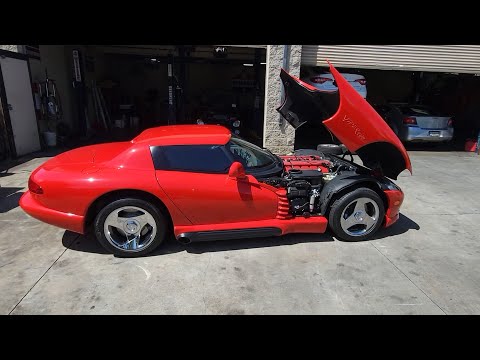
{"x": 184, "y": 135}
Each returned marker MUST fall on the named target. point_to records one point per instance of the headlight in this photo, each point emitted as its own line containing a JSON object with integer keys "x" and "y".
{"x": 237, "y": 132}
{"x": 236, "y": 123}
{"x": 200, "y": 122}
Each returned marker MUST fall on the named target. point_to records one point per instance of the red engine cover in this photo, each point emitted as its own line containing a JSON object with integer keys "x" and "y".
{"x": 306, "y": 162}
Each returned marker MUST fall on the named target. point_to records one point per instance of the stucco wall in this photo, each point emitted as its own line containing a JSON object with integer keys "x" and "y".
{"x": 278, "y": 136}
{"x": 14, "y": 48}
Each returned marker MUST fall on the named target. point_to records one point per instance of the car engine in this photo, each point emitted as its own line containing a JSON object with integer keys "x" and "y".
{"x": 304, "y": 178}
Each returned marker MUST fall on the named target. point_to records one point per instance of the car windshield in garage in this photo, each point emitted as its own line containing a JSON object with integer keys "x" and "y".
{"x": 249, "y": 155}
{"x": 414, "y": 110}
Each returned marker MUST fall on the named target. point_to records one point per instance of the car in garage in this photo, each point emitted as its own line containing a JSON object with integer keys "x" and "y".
{"x": 204, "y": 183}
{"x": 417, "y": 123}
{"x": 220, "y": 109}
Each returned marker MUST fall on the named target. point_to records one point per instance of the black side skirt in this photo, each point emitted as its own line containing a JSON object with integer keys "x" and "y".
{"x": 228, "y": 234}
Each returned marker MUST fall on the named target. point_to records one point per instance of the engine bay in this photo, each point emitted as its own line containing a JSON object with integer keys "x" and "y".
{"x": 305, "y": 176}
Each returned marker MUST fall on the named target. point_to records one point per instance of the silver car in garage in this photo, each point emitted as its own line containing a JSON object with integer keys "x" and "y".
{"x": 417, "y": 122}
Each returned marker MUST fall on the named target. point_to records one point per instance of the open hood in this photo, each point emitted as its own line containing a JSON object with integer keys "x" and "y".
{"x": 350, "y": 118}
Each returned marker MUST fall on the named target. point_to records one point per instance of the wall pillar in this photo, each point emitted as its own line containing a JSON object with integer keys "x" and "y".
{"x": 13, "y": 48}
{"x": 278, "y": 135}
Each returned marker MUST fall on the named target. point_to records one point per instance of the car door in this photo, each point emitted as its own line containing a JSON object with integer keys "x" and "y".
{"x": 195, "y": 177}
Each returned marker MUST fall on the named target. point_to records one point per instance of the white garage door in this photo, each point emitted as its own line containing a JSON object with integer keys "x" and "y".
{"x": 18, "y": 91}
{"x": 437, "y": 58}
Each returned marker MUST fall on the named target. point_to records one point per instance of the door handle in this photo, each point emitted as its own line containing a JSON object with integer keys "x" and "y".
{"x": 10, "y": 107}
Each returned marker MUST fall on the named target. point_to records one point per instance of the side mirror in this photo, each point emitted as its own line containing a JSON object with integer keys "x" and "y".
{"x": 237, "y": 171}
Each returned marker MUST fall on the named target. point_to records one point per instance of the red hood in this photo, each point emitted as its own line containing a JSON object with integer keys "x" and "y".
{"x": 350, "y": 118}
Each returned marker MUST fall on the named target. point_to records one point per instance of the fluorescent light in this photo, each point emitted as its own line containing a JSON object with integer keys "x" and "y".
{"x": 263, "y": 63}
{"x": 247, "y": 64}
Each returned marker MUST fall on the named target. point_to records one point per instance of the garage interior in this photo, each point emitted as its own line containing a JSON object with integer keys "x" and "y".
{"x": 112, "y": 93}
{"x": 450, "y": 92}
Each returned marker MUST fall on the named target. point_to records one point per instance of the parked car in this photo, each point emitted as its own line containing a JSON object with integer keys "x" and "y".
{"x": 203, "y": 183}
{"x": 417, "y": 122}
{"x": 221, "y": 109}
{"x": 326, "y": 81}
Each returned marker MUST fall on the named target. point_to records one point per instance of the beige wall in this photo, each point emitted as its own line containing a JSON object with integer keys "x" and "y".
{"x": 278, "y": 135}
{"x": 14, "y": 48}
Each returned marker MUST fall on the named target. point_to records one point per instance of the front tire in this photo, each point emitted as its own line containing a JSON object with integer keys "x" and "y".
{"x": 130, "y": 227}
{"x": 357, "y": 215}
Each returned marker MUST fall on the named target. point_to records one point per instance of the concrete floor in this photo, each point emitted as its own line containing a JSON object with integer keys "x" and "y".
{"x": 427, "y": 263}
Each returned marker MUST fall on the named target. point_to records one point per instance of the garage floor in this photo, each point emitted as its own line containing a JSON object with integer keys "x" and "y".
{"x": 427, "y": 263}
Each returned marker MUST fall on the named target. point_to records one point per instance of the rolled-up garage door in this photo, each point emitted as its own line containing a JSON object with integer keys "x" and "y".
{"x": 436, "y": 58}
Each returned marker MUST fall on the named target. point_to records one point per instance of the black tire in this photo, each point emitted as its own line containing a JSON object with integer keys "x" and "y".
{"x": 158, "y": 217}
{"x": 340, "y": 205}
{"x": 330, "y": 149}
{"x": 308, "y": 152}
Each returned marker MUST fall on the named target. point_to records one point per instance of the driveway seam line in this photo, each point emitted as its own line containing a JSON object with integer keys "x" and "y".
{"x": 41, "y": 277}
{"x": 396, "y": 267}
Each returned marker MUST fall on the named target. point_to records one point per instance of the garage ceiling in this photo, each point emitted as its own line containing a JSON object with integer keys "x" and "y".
{"x": 239, "y": 52}
{"x": 435, "y": 58}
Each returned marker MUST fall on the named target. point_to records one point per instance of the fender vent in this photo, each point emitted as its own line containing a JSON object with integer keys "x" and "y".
{"x": 283, "y": 210}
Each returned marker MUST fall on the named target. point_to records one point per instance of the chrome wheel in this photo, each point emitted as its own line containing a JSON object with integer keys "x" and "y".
{"x": 130, "y": 228}
{"x": 360, "y": 217}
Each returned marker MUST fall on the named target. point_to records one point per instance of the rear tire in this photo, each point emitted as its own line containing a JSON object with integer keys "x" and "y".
{"x": 130, "y": 227}
{"x": 357, "y": 215}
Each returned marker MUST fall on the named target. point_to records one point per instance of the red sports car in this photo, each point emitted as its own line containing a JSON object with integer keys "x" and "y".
{"x": 203, "y": 183}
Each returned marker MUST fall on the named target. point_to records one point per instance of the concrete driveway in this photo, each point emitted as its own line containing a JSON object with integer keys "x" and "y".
{"x": 427, "y": 263}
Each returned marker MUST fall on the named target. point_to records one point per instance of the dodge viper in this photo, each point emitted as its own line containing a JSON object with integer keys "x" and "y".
{"x": 204, "y": 183}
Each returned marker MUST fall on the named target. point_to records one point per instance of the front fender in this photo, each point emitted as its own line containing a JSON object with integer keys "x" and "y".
{"x": 342, "y": 182}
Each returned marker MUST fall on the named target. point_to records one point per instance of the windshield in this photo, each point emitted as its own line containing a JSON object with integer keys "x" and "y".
{"x": 418, "y": 111}
{"x": 251, "y": 156}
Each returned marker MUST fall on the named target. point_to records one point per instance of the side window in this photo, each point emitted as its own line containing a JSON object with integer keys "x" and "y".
{"x": 193, "y": 158}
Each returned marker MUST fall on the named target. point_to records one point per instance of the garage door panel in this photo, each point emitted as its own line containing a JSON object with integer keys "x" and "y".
{"x": 437, "y": 58}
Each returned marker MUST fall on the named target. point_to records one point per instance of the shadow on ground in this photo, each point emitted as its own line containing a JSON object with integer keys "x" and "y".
{"x": 62, "y": 146}
{"x": 89, "y": 244}
{"x": 9, "y": 197}
{"x": 403, "y": 225}
{"x": 6, "y": 165}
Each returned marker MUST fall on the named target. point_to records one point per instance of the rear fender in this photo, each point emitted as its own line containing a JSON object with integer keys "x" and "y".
{"x": 343, "y": 182}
